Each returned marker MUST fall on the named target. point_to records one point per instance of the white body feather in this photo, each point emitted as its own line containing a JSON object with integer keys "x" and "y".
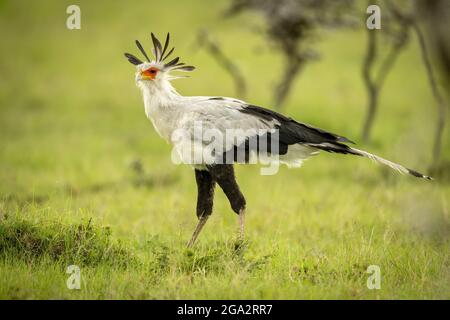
{"x": 170, "y": 112}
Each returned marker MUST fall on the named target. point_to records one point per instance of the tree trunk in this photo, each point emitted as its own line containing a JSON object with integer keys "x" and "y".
{"x": 372, "y": 92}
{"x": 440, "y": 103}
{"x": 225, "y": 62}
{"x": 371, "y": 113}
{"x": 282, "y": 90}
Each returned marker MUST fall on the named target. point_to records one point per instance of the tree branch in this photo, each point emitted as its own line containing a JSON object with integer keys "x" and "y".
{"x": 435, "y": 91}
{"x": 225, "y": 62}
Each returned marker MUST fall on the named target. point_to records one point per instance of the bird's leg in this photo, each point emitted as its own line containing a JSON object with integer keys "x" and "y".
{"x": 224, "y": 175}
{"x": 201, "y": 223}
{"x": 205, "y": 199}
{"x": 241, "y": 223}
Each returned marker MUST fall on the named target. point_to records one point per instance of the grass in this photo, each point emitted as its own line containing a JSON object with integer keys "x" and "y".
{"x": 85, "y": 180}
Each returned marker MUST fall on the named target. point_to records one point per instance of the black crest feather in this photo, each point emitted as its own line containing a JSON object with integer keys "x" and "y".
{"x": 161, "y": 54}
{"x": 133, "y": 59}
{"x": 168, "y": 54}
{"x": 138, "y": 44}
{"x": 172, "y": 62}
{"x": 166, "y": 45}
{"x": 157, "y": 47}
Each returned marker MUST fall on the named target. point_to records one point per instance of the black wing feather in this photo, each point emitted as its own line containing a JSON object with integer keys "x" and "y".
{"x": 292, "y": 132}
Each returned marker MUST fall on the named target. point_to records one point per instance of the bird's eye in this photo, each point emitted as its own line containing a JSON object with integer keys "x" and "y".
{"x": 151, "y": 72}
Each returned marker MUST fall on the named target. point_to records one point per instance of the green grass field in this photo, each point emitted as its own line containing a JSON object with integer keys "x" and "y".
{"x": 85, "y": 180}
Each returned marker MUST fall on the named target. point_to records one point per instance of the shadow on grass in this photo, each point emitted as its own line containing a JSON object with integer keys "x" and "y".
{"x": 136, "y": 176}
{"x": 135, "y": 180}
{"x": 142, "y": 181}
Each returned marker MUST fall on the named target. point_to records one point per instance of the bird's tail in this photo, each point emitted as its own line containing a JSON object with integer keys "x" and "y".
{"x": 390, "y": 164}
{"x": 342, "y": 148}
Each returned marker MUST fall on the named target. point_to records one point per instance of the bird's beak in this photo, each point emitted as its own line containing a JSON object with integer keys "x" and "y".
{"x": 144, "y": 77}
{"x": 141, "y": 77}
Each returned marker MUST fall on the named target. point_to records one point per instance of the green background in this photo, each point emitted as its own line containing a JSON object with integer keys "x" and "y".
{"x": 85, "y": 180}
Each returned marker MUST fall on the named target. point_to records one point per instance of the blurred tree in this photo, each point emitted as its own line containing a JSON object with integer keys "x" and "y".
{"x": 436, "y": 15}
{"x": 399, "y": 21}
{"x": 397, "y": 35}
{"x": 205, "y": 41}
{"x": 291, "y": 25}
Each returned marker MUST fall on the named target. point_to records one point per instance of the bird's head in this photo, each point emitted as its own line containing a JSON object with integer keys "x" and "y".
{"x": 156, "y": 70}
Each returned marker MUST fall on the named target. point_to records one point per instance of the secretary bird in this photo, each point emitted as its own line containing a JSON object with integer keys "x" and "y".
{"x": 256, "y": 132}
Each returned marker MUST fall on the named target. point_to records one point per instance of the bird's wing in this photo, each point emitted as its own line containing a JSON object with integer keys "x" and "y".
{"x": 299, "y": 135}
{"x": 292, "y": 131}
{"x": 244, "y": 127}
{"x": 210, "y": 127}
{"x": 255, "y": 132}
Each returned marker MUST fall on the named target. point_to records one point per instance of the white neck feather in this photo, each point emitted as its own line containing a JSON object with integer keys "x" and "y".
{"x": 157, "y": 94}
{"x": 161, "y": 102}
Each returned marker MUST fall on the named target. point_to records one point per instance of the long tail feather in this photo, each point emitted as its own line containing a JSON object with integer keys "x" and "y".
{"x": 337, "y": 147}
{"x": 390, "y": 164}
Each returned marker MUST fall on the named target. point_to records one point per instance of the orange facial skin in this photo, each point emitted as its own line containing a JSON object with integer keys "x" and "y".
{"x": 150, "y": 73}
